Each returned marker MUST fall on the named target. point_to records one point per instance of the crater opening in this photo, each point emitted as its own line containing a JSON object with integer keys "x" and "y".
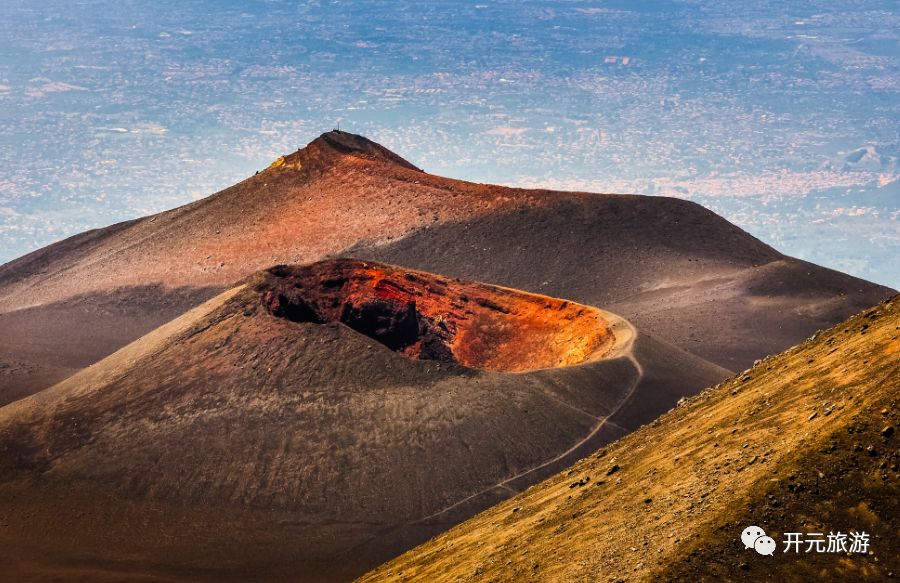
{"x": 429, "y": 317}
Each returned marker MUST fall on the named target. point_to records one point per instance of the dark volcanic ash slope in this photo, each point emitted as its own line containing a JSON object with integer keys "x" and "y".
{"x": 678, "y": 271}
{"x": 806, "y": 441}
{"x": 296, "y": 428}
{"x": 673, "y": 268}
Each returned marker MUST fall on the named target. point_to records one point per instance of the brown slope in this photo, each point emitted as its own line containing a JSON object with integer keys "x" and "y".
{"x": 804, "y": 442}
{"x": 236, "y": 443}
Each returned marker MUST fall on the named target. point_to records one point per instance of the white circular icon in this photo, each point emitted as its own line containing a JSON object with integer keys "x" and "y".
{"x": 765, "y": 545}
{"x": 750, "y": 534}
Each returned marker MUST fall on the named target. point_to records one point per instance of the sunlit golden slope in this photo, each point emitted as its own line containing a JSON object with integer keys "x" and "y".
{"x": 803, "y": 442}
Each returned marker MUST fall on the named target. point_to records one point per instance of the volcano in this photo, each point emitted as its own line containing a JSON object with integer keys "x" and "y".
{"x": 675, "y": 270}
{"x": 314, "y": 421}
{"x": 316, "y": 369}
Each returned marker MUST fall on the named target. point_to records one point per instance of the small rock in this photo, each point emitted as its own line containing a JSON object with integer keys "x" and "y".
{"x": 812, "y": 416}
{"x": 744, "y": 567}
{"x": 888, "y": 431}
{"x": 612, "y": 470}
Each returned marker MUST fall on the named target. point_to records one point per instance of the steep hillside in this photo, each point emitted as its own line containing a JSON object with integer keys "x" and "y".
{"x": 804, "y": 442}
{"x": 314, "y": 422}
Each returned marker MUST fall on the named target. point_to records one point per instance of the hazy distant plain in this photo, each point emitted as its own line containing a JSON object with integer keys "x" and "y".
{"x": 782, "y": 118}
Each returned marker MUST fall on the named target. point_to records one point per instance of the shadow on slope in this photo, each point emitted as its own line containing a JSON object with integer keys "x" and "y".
{"x": 676, "y": 270}
{"x": 42, "y": 345}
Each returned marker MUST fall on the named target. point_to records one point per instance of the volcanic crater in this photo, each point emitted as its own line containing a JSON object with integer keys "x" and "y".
{"x": 427, "y": 317}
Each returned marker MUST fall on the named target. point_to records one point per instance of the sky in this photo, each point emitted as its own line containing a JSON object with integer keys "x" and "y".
{"x": 780, "y": 116}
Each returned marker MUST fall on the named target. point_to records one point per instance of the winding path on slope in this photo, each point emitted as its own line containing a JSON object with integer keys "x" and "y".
{"x": 623, "y": 347}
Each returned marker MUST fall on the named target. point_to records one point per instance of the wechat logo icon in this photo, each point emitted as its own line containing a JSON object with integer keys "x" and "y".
{"x": 755, "y": 538}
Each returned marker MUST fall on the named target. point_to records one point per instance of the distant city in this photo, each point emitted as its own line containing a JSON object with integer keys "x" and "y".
{"x": 781, "y": 117}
